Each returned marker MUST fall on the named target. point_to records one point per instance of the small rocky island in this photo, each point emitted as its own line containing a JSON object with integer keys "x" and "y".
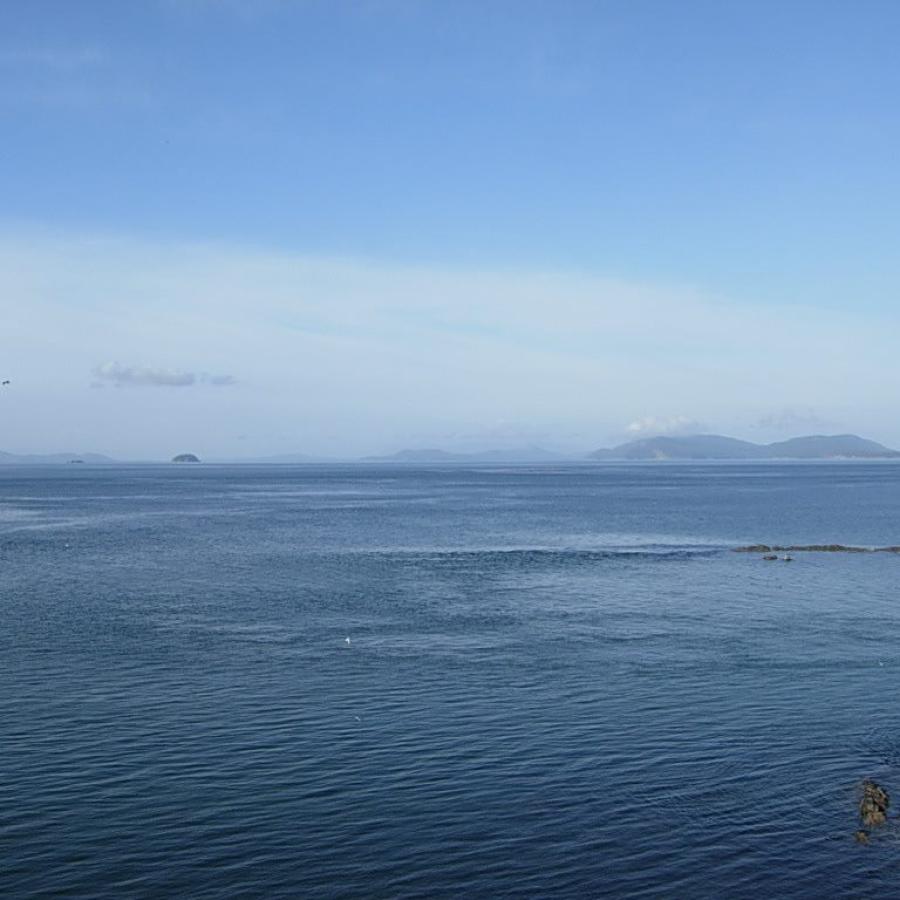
{"x": 185, "y": 458}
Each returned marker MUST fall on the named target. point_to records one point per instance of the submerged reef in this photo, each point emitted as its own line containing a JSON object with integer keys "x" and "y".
{"x": 813, "y": 548}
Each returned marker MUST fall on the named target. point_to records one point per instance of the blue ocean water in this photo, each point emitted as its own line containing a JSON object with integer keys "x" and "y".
{"x": 560, "y": 681}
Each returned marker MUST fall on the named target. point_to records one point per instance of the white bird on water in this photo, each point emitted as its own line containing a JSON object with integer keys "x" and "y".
{"x": 347, "y": 641}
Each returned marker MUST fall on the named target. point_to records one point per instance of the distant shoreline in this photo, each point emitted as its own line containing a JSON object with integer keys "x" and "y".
{"x": 696, "y": 448}
{"x": 461, "y": 464}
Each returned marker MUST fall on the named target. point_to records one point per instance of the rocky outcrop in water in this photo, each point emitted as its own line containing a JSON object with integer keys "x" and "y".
{"x": 874, "y": 804}
{"x": 185, "y": 458}
{"x": 813, "y": 548}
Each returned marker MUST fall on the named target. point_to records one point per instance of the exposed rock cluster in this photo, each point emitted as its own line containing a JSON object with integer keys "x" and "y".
{"x": 873, "y": 806}
{"x": 813, "y": 548}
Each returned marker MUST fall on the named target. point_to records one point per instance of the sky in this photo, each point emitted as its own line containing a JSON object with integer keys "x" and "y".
{"x": 342, "y": 227}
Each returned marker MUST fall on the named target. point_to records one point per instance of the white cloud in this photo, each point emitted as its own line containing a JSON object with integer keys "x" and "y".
{"x": 218, "y": 380}
{"x": 120, "y": 375}
{"x": 141, "y": 376}
{"x": 654, "y": 425}
{"x": 350, "y": 356}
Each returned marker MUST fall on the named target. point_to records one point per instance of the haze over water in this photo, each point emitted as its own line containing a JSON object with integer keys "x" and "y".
{"x": 560, "y": 681}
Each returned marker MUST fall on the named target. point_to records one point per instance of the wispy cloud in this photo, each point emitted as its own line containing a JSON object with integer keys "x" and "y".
{"x": 72, "y": 78}
{"x": 140, "y": 376}
{"x": 794, "y": 420}
{"x": 247, "y": 9}
{"x": 58, "y": 58}
{"x": 348, "y": 356}
{"x": 218, "y": 380}
{"x": 651, "y": 426}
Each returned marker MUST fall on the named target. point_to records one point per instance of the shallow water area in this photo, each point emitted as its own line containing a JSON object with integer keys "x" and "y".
{"x": 560, "y": 680}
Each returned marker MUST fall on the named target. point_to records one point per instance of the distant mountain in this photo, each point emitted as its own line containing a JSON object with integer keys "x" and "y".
{"x": 698, "y": 446}
{"x": 53, "y": 458}
{"x": 820, "y": 446}
{"x": 277, "y": 459}
{"x": 415, "y": 456}
{"x": 714, "y": 446}
{"x": 431, "y": 455}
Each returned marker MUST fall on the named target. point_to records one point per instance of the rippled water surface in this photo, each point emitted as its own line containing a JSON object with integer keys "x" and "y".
{"x": 559, "y": 682}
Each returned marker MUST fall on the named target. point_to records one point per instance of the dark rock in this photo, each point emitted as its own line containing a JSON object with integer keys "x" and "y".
{"x": 770, "y": 556}
{"x": 829, "y": 548}
{"x": 874, "y": 804}
{"x": 872, "y": 816}
{"x": 185, "y": 458}
{"x": 813, "y": 548}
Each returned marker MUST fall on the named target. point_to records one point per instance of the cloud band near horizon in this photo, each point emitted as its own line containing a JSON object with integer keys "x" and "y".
{"x": 349, "y": 357}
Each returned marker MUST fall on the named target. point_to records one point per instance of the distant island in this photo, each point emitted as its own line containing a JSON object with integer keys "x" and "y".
{"x": 687, "y": 447}
{"x": 32, "y": 459}
{"x": 715, "y": 446}
{"x": 696, "y": 447}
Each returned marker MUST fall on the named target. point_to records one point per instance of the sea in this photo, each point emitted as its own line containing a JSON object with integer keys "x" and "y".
{"x": 377, "y": 681}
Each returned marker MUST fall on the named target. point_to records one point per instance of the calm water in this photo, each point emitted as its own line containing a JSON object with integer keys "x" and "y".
{"x": 560, "y": 681}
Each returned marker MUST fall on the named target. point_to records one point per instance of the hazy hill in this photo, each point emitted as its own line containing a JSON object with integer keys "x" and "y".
{"x": 821, "y": 446}
{"x": 698, "y": 446}
{"x": 714, "y": 446}
{"x": 279, "y": 459}
{"x": 512, "y": 454}
{"x": 52, "y": 458}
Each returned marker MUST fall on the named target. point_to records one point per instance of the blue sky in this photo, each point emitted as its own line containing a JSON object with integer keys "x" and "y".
{"x": 730, "y": 164}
